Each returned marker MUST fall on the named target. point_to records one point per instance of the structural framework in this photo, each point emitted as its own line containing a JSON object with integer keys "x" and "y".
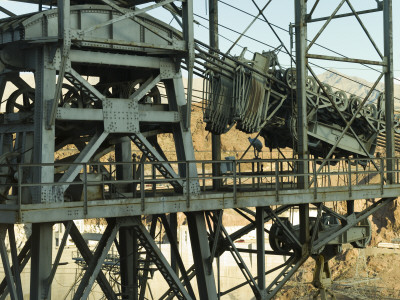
{"x": 108, "y": 81}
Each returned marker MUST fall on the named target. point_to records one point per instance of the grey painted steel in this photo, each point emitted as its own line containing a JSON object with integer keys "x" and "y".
{"x": 7, "y": 12}
{"x": 169, "y": 295}
{"x": 88, "y": 257}
{"x": 22, "y": 260}
{"x": 159, "y": 260}
{"x": 49, "y": 280}
{"x": 94, "y": 266}
{"x": 260, "y": 216}
{"x": 217, "y": 232}
{"x": 77, "y": 80}
{"x": 41, "y": 259}
{"x": 145, "y": 87}
{"x": 6, "y": 264}
{"x": 293, "y": 264}
{"x": 123, "y": 153}
{"x": 242, "y": 265}
{"x": 117, "y": 59}
{"x": 152, "y": 154}
{"x": 124, "y": 34}
{"x": 128, "y": 246}
{"x": 146, "y": 268}
{"x": 301, "y": 96}
{"x": 182, "y": 137}
{"x": 15, "y": 263}
{"x": 304, "y": 6}
{"x": 174, "y": 249}
{"x": 43, "y": 147}
{"x": 64, "y": 26}
{"x": 301, "y": 76}
{"x": 337, "y": 16}
{"x": 83, "y": 157}
{"x": 132, "y": 206}
{"x": 344, "y": 59}
{"x": 173, "y": 225}
{"x": 128, "y": 263}
{"x": 127, "y": 15}
{"x": 214, "y": 43}
{"x": 146, "y": 113}
{"x": 164, "y": 40}
{"x": 201, "y": 253}
{"x": 188, "y": 34}
{"x": 348, "y": 125}
{"x": 389, "y": 84}
{"x": 351, "y": 221}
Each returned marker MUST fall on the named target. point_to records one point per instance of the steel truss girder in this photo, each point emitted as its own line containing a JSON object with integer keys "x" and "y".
{"x": 22, "y": 259}
{"x": 242, "y": 265}
{"x": 386, "y": 62}
{"x": 152, "y": 154}
{"x": 94, "y": 266}
{"x": 12, "y": 273}
{"x": 350, "y": 222}
{"x": 143, "y": 282}
{"x": 88, "y": 257}
{"x": 127, "y": 15}
{"x": 41, "y": 259}
{"x": 78, "y": 81}
{"x": 201, "y": 254}
{"x": 237, "y": 257}
{"x": 287, "y": 230}
{"x": 83, "y": 157}
{"x": 292, "y": 265}
{"x": 58, "y": 258}
{"x": 175, "y": 251}
{"x": 225, "y": 244}
{"x": 159, "y": 260}
{"x": 128, "y": 263}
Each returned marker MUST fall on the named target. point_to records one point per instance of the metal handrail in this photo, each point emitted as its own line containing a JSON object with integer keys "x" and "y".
{"x": 277, "y": 173}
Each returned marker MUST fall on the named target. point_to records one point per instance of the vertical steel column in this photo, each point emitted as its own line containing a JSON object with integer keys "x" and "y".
{"x": 6, "y": 264}
{"x": 183, "y": 138}
{"x": 302, "y": 127}
{"x": 260, "y": 215}
{"x": 41, "y": 260}
{"x": 389, "y": 88}
{"x": 201, "y": 255}
{"x": 123, "y": 153}
{"x": 128, "y": 263}
{"x": 173, "y": 225}
{"x": 214, "y": 43}
{"x": 188, "y": 33}
{"x": 43, "y": 150}
{"x": 63, "y": 7}
{"x": 301, "y": 97}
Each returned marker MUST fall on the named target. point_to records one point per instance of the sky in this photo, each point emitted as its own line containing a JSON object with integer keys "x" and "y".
{"x": 344, "y": 36}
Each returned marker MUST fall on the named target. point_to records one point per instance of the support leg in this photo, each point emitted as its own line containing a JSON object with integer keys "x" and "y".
{"x": 128, "y": 263}
{"x": 201, "y": 254}
{"x": 6, "y": 263}
{"x": 173, "y": 225}
{"x": 22, "y": 260}
{"x": 41, "y": 259}
{"x": 260, "y": 215}
{"x": 45, "y": 79}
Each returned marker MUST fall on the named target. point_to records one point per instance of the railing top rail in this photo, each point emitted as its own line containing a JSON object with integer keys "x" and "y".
{"x": 242, "y": 161}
